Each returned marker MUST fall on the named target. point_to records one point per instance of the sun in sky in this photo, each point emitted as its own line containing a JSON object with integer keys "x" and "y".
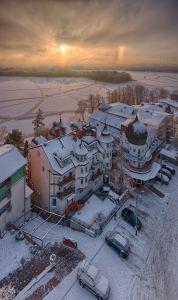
{"x": 63, "y": 48}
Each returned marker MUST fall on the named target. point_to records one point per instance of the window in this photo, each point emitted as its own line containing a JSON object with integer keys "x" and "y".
{"x": 107, "y": 165}
{"x": 86, "y": 169}
{"x": 134, "y": 150}
{"x": 70, "y": 174}
{"x": 43, "y": 169}
{"x": 85, "y": 180}
{"x": 54, "y": 202}
{"x": 81, "y": 170}
{"x": 81, "y": 181}
{"x": 107, "y": 155}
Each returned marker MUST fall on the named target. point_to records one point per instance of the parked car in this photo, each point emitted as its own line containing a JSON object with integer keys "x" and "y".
{"x": 130, "y": 217}
{"x": 118, "y": 242}
{"x": 89, "y": 277}
{"x": 169, "y": 168}
{"x": 162, "y": 178}
{"x": 166, "y": 172}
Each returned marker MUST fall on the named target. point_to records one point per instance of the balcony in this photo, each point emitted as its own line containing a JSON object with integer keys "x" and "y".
{"x": 66, "y": 180}
{"x": 146, "y": 168}
{"x": 98, "y": 173}
{"x": 66, "y": 192}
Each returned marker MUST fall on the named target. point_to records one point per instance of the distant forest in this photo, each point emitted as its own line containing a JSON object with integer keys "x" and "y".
{"x": 104, "y": 76}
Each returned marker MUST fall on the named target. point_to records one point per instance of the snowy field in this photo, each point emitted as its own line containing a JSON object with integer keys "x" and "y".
{"x": 21, "y": 97}
{"x": 149, "y": 273}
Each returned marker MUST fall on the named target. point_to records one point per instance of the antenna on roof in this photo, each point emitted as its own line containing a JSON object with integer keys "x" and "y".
{"x": 60, "y": 116}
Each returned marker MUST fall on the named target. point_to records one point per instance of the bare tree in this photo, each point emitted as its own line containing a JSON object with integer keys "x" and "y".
{"x": 81, "y": 109}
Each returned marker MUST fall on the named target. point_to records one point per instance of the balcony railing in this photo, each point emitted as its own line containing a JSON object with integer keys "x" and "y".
{"x": 146, "y": 168}
{"x": 65, "y": 192}
{"x": 66, "y": 180}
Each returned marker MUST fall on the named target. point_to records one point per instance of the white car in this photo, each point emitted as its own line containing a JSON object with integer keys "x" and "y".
{"x": 162, "y": 177}
{"x": 89, "y": 277}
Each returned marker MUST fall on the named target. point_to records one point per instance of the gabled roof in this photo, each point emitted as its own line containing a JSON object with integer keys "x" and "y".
{"x": 10, "y": 161}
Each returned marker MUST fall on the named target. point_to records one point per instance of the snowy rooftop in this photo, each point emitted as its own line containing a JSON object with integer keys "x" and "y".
{"x": 105, "y": 118}
{"x": 170, "y": 102}
{"x": 10, "y": 161}
{"x": 170, "y": 153}
{"x": 63, "y": 148}
{"x": 38, "y": 140}
{"x": 92, "y": 208}
{"x": 151, "y": 115}
{"x": 89, "y": 139}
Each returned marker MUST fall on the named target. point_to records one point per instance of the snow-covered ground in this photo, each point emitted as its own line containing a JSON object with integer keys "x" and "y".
{"x": 11, "y": 253}
{"x": 151, "y": 270}
{"x": 20, "y": 97}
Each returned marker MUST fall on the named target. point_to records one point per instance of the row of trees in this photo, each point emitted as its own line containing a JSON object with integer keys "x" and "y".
{"x": 109, "y": 76}
{"x": 136, "y": 94}
{"x": 130, "y": 94}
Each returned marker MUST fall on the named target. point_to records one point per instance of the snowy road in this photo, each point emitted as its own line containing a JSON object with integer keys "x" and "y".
{"x": 158, "y": 279}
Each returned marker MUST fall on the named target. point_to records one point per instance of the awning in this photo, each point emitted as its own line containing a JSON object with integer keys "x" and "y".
{"x": 145, "y": 176}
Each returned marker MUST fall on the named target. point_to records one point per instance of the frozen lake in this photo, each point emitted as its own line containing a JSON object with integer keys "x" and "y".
{"x": 21, "y": 97}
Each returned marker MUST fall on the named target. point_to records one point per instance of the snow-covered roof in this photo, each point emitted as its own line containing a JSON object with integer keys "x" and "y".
{"x": 170, "y": 102}
{"x": 170, "y": 153}
{"x": 81, "y": 149}
{"x": 105, "y": 118}
{"x": 10, "y": 161}
{"x": 105, "y": 138}
{"x": 121, "y": 109}
{"x": 38, "y": 140}
{"x": 104, "y": 106}
{"x": 64, "y": 148}
{"x": 89, "y": 139}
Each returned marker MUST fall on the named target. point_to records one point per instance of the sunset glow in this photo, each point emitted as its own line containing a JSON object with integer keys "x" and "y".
{"x": 91, "y": 32}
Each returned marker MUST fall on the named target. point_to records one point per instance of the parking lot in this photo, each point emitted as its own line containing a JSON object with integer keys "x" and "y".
{"x": 144, "y": 274}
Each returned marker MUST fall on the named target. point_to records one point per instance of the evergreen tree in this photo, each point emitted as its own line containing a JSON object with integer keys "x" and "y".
{"x": 15, "y": 138}
{"x": 25, "y": 150}
{"x": 38, "y": 122}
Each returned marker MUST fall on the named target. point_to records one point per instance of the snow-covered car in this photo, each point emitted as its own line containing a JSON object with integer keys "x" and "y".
{"x": 90, "y": 277}
{"x": 162, "y": 178}
{"x": 166, "y": 172}
{"x": 118, "y": 242}
{"x": 169, "y": 168}
{"x": 130, "y": 217}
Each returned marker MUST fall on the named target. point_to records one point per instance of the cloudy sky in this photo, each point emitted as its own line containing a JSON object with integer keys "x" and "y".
{"x": 72, "y": 32}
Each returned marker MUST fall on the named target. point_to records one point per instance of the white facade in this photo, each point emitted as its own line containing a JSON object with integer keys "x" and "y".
{"x": 66, "y": 169}
{"x": 15, "y": 203}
